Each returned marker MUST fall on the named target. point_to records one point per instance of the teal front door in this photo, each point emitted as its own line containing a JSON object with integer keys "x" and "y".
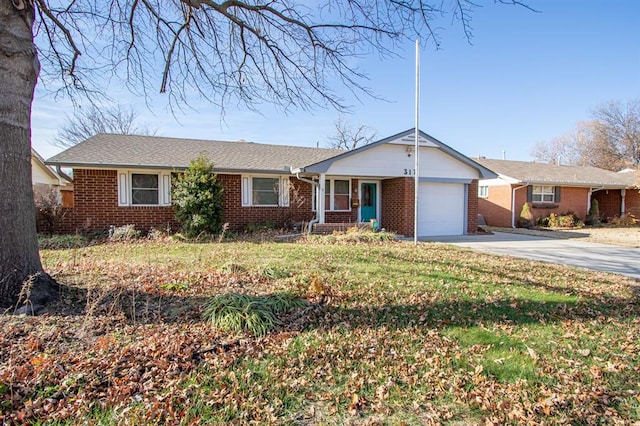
{"x": 368, "y": 201}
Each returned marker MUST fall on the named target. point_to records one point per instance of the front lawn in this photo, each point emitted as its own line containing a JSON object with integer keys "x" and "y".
{"x": 392, "y": 334}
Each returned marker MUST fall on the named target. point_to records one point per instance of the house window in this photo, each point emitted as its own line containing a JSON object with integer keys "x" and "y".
{"x": 542, "y": 194}
{"x": 144, "y": 189}
{"x": 337, "y": 196}
{"x": 266, "y": 191}
{"x": 483, "y": 191}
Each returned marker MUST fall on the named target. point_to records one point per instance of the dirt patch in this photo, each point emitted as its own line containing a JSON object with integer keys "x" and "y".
{"x": 628, "y": 236}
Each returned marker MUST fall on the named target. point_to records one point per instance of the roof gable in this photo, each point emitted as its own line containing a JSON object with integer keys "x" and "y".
{"x": 403, "y": 138}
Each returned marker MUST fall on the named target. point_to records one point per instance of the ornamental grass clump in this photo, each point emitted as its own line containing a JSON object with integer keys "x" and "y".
{"x": 235, "y": 312}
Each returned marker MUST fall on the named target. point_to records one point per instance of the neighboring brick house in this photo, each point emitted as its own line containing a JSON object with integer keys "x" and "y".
{"x": 121, "y": 180}
{"x": 552, "y": 188}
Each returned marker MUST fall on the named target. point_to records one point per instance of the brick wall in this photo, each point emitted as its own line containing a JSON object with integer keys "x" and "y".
{"x": 239, "y": 217}
{"x": 496, "y": 209}
{"x": 632, "y": 202}
{"x": 571, "y": 200}
{"x": 96, "y": 206}
{"x": 472, "y": 207}
{"x": 609, "y": 203}
{"x": 397, "y": 202}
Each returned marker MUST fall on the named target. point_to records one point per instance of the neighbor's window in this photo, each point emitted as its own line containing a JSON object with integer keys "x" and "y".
{"x": 542, "y": 194}
{"x": 144, "y": 189}
{"x": 265, "y": 191}
{"x": 483, "y": 191}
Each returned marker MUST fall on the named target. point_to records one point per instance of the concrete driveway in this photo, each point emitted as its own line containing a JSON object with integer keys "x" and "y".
{"x": 600, "y": 257}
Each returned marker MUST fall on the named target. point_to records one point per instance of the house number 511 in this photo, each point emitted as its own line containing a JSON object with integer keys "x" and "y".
{"x": 409, "y": 172}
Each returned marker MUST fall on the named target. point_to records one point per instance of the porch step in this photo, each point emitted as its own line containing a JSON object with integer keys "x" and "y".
{"x": 329, "y": 228}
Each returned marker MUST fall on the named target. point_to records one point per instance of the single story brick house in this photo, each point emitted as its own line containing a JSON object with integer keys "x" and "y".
{"x": 124, "y": 179}
{"x": 552, "y": 188}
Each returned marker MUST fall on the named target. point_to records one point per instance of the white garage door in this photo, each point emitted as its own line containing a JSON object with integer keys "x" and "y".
{"x": 441, "y": 209}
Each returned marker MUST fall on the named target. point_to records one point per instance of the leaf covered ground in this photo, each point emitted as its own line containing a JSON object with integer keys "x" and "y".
{"x": 392, "y": 334}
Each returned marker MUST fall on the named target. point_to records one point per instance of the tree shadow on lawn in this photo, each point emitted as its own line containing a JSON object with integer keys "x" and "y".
{"x": 472, "y": 313}
{"x": 150, "y": 308}
{"x": 132, "y": 306}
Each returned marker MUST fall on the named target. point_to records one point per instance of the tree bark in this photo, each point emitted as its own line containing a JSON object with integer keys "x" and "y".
{"x": 23, "y": 282}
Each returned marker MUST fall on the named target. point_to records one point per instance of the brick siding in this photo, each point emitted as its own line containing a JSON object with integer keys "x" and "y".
{"x": 472, "y": 207}
{"x": 96, "y": 206}
{"x": 496, "y": 209}
{"x": 397, "y": 205}
{"x": 632, "y": 202}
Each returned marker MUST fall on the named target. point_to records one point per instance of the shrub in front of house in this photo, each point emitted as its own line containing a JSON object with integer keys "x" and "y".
{"x": 123, "y": 233}
{"x": 526, "y": 217}
{"x": 563, "y": 220}
{"x": 197, "y": 199}
{"x": 593, "y": 218}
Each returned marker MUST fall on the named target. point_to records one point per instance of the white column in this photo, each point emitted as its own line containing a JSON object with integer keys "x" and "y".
{"x": 623, "y": 208}
{"x": 321, "y": 192}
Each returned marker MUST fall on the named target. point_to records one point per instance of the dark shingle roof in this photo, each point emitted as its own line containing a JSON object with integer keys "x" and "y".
{"x": 543, "y": 173}
{"x": 108, "y": 150}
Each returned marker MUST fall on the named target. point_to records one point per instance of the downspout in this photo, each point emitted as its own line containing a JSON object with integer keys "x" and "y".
{"x": 316, "y": 185}
{"x": 513, "y": 205}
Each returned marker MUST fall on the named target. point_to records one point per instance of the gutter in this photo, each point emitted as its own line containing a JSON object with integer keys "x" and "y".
{"x": 63, "y": 174}
{"x": 513, "y": 205}
{"x": 313, "y": 184}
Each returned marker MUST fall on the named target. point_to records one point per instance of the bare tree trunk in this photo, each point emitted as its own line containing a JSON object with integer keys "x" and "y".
{"x": 19, "y": 257}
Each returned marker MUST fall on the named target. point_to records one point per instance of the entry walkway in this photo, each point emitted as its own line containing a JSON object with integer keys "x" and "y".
{"x": 599, "y": 257}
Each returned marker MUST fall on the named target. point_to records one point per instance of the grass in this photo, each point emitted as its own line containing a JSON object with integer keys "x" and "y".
{"x": 391, "y": 334}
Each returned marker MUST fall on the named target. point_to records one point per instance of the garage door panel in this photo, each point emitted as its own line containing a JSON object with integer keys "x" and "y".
{"x": 441, "y": 209}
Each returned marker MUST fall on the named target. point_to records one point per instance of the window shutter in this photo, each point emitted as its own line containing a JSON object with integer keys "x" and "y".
{"x": 165, "y": 199}
{"x": 529, "y": 193}
{"x": 246, "y": 191}
{"x": 284, "y": 191}
{"x": 556, "y": 194}
{"x": 123, "y": 188}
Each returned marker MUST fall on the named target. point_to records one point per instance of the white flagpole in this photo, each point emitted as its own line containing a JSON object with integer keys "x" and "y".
{"x": 416, "y": 148}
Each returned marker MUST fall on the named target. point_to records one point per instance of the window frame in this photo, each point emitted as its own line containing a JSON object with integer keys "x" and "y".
{"x": 329, "y": 189}
{"x": 125, "y": 188}
{"x": 550, "y": 191}
{"x": 483, "y": 191}
{"x": 247, "y": 191}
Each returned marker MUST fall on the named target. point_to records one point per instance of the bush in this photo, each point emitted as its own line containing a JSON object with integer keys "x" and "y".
{"x": 593, "y": 217}
{"x": 48, "y": 203}
{"x": 563, "y": 220}
{"x": 197, "y": 199}
{"x": 123, "y": 233}
{"x": 526, "y": 217}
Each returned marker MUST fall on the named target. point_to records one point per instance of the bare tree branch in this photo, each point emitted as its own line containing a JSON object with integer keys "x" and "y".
{"x": 86, "y": 123}
{"x": 250, "y": 52}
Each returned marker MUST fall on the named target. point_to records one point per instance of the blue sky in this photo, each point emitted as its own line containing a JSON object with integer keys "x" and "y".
{"x": 526, "y": 77}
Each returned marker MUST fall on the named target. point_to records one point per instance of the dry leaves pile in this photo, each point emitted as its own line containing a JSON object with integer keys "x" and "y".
{"x": 425, "y": 336}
